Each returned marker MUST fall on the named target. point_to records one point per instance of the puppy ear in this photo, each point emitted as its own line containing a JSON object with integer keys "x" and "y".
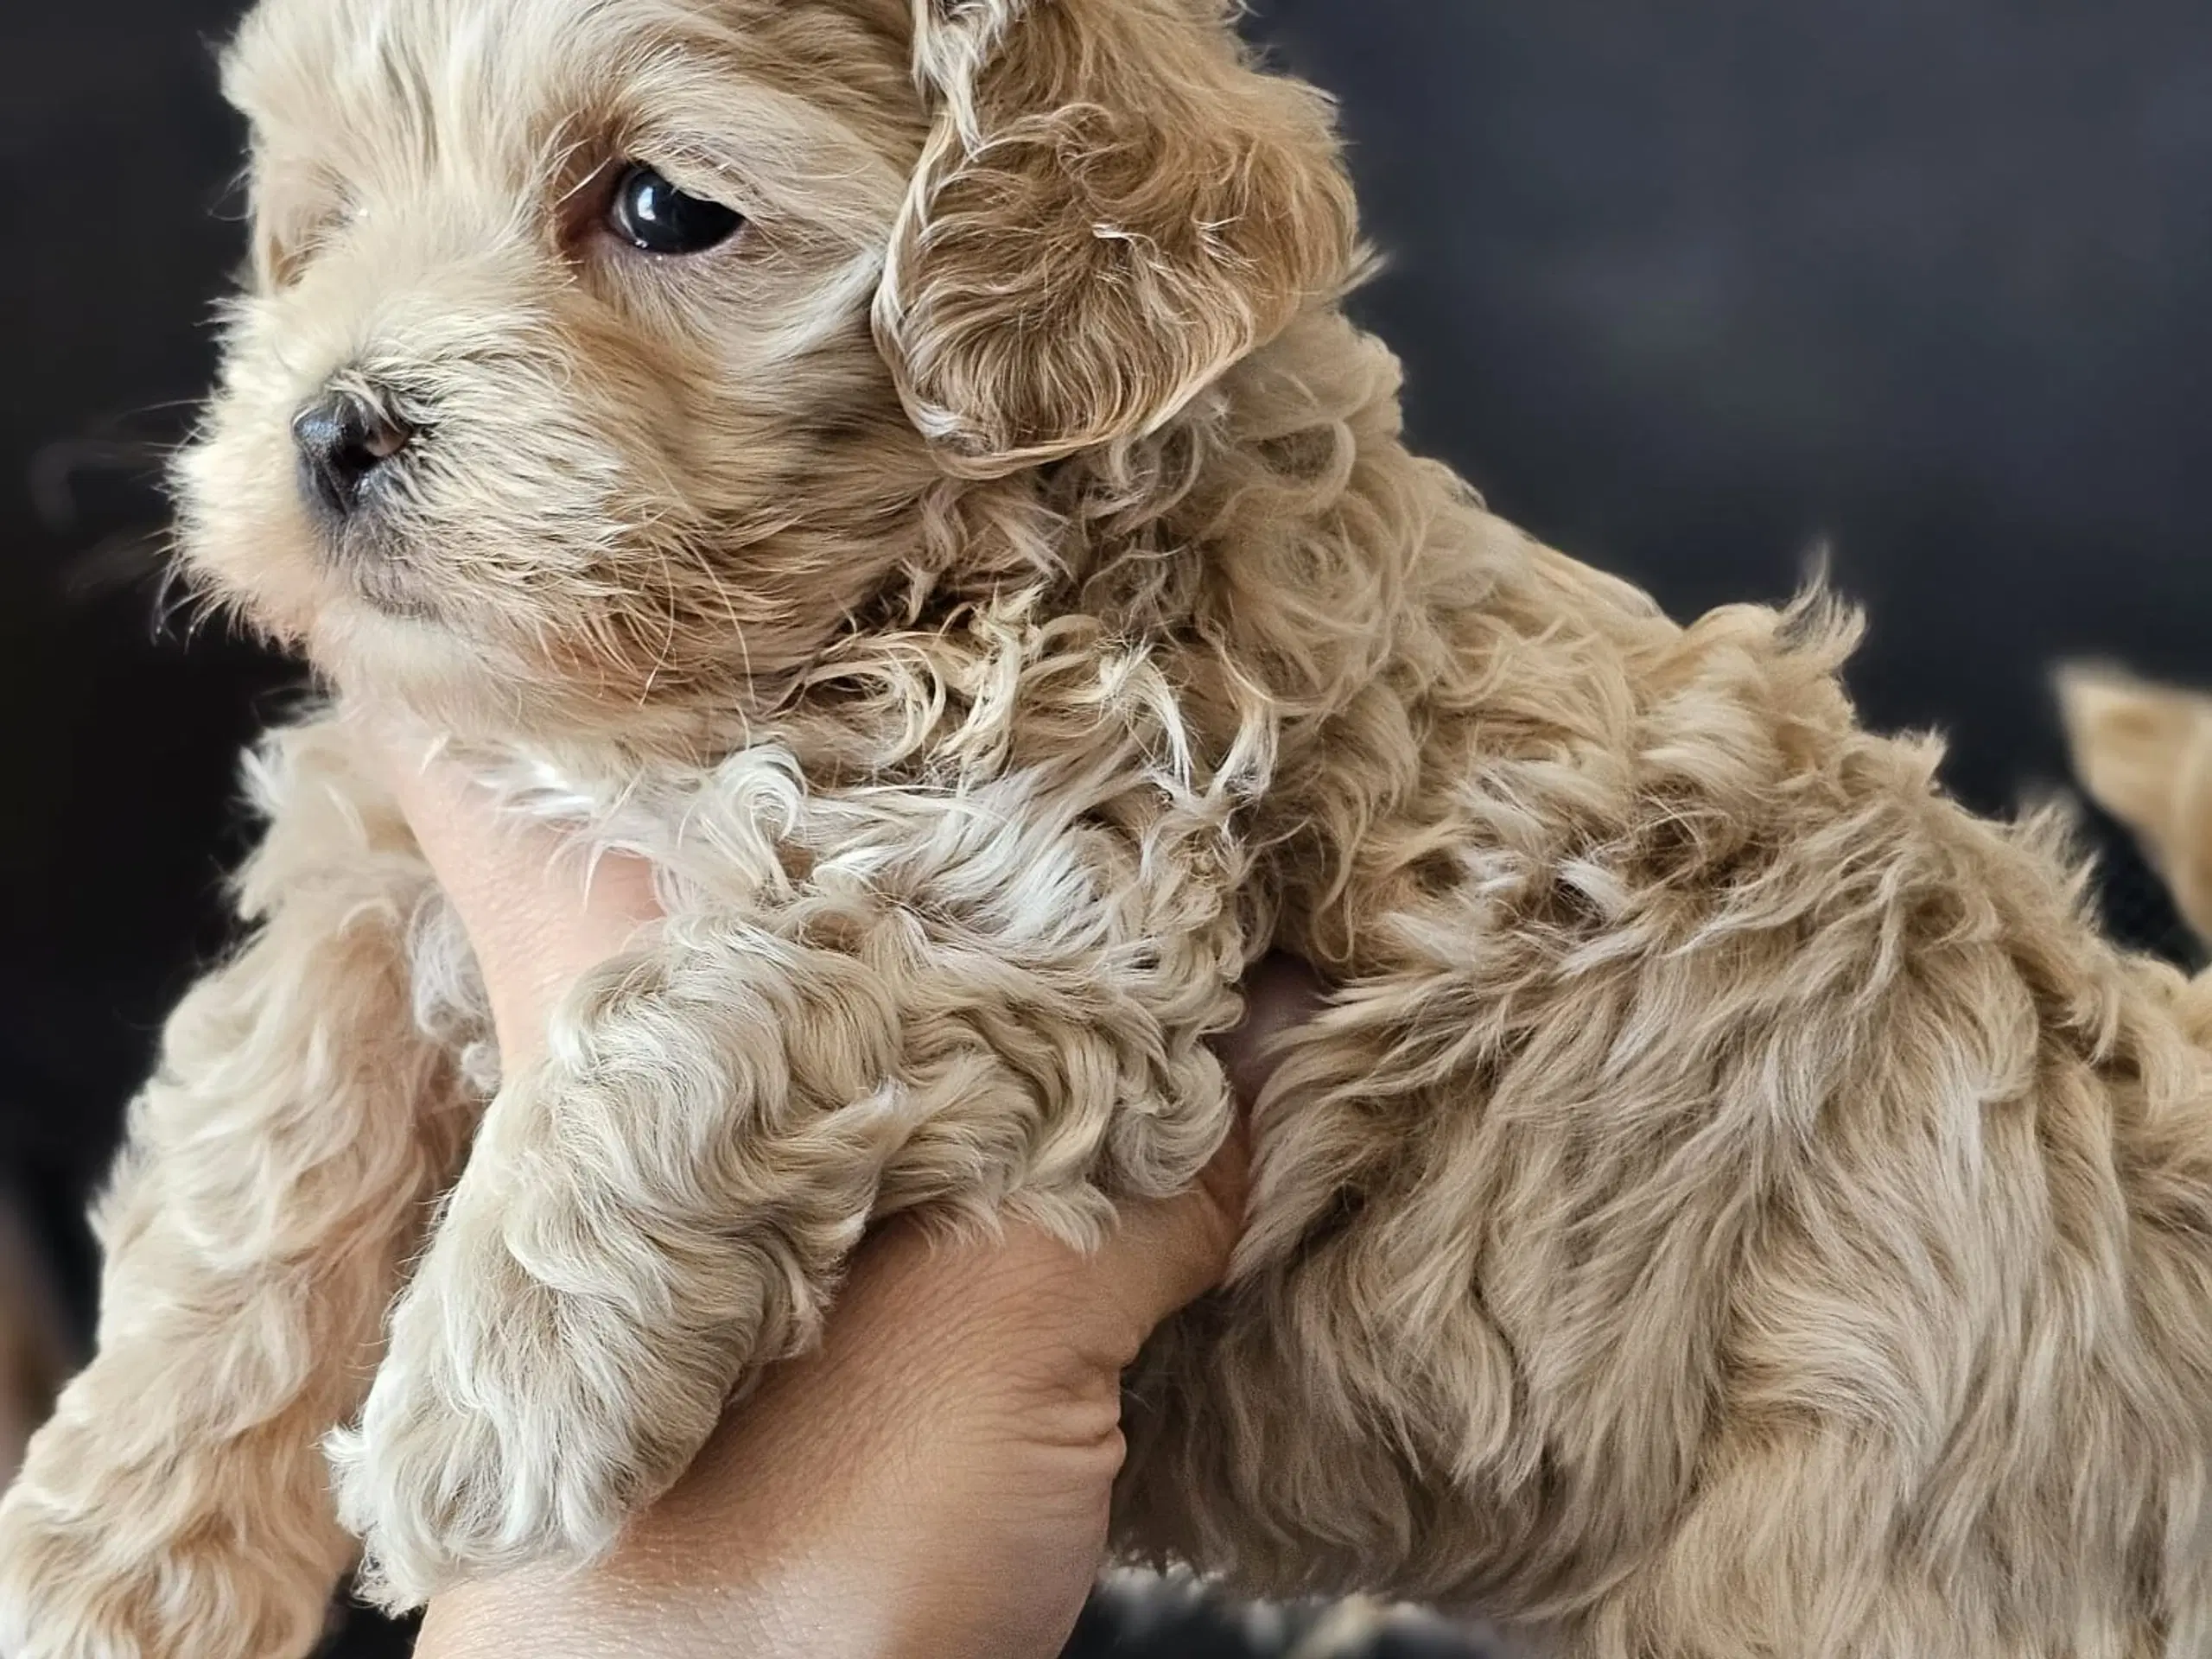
{"x": 1113, "y": 206}
{"x": 2143, "y": 753}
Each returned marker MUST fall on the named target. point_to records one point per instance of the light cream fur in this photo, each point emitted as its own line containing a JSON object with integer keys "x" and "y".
{"x": 1736, "y": 1205}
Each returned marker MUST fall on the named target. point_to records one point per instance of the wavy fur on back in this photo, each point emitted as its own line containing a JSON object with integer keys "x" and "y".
{"x": 1735, "y": 1204}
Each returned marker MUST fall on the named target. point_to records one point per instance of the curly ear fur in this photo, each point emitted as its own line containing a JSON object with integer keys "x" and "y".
{"x": 2143, "y": 753}
{"x": 1113, "y": 208}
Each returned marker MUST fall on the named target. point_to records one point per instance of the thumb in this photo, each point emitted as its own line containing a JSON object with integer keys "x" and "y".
{"x": 1166, "y": 1254}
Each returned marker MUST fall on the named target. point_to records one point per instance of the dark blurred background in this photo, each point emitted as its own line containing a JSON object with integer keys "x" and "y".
{"x": 1693, "y": 290}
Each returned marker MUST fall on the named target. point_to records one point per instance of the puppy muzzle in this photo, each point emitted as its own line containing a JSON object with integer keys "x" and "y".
{"x": 346, "y": 444}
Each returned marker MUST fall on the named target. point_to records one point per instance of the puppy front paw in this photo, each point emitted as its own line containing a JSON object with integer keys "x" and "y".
{"x": 511, "y": 1424}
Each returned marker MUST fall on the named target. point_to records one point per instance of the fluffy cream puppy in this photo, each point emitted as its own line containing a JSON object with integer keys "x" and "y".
{"x": 902, "y": 468}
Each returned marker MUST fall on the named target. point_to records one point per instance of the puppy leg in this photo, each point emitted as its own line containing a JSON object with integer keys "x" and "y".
{"x": 177, "y": 1507}
{"x": 665, "y": 1206}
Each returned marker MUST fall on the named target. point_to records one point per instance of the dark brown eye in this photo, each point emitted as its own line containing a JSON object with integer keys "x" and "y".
{"x": 653, "y": 215}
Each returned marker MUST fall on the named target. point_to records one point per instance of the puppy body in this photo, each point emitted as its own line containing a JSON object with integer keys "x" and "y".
{"x": 1736, "y": 1205}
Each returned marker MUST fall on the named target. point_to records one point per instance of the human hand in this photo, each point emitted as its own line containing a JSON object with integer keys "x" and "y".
{"x": 935, "y": 1479}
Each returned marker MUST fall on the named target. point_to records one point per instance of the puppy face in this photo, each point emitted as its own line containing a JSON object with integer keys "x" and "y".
{"x": 558, "y": 308}
{"x": 601, "y": 354}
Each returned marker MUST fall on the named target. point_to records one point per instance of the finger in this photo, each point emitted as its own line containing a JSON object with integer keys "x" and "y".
{"x": 1166, "y": 1254}
{"x": 539, "y": 912}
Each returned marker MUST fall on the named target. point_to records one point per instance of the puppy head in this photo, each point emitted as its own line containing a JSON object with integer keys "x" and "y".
{"x": 2143, "y": 753}
{"x": 598, "y": 354}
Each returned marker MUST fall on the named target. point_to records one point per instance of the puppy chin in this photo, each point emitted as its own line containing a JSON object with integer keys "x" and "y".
{"x": 380, "y": 621}
{"x": 479, "y": 689}
{"x": 376, "y": 571}
{"x": 410, "y": 662}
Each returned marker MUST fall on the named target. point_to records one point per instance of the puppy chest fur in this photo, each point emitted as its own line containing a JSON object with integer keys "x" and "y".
{"x": 905, "y": 472}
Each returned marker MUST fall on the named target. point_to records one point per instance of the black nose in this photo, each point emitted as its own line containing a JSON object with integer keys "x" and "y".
{"x": 343, "y": 439}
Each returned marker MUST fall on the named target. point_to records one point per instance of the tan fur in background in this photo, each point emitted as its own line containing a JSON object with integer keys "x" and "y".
{"x": 2144, "y": 752}
{"x": 1736, "y": 1205}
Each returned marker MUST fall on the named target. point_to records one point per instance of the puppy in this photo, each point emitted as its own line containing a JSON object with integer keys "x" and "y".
{"x": 904, "y": 470}
{"x": 2143, "y": 753}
